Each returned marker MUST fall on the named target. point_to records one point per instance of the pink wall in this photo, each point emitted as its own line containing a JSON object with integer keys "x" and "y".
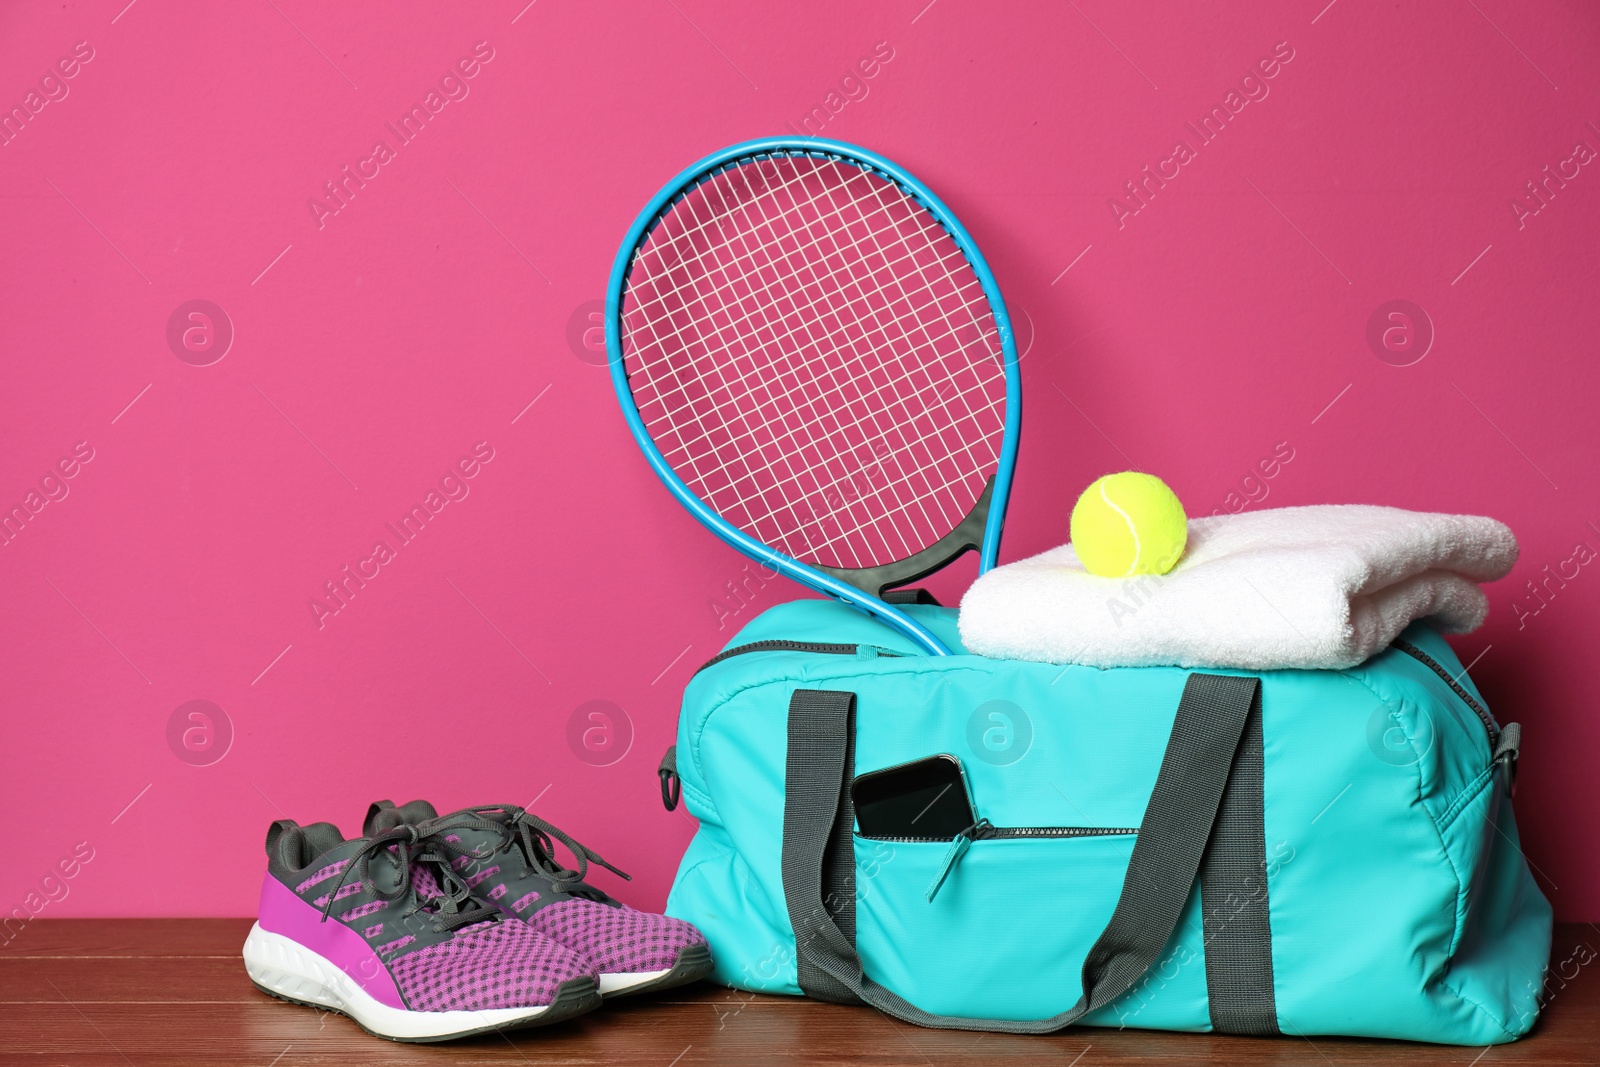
{"x": 445, "y": 305}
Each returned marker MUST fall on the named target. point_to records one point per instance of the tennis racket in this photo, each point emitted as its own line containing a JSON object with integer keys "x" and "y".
{"x": 817, "y": 363}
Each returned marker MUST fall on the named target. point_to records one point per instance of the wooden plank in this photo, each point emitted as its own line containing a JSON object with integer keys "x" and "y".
{"x": 123, "y": 979}
{"x": 127, "y": 937}
{"x": 173, "y": 992}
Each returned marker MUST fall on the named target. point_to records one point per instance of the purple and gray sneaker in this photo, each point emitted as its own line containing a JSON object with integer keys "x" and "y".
{"x": 507, "y": 855}
{"x": 382, "y": 929}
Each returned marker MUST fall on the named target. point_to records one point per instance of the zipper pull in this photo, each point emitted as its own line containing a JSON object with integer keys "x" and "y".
{"x": 1506, "y": 749}
{"x": 958, "y": 848}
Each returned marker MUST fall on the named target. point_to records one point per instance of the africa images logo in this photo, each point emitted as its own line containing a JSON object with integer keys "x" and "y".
{"x": 1253, "y": 88}
{"x": 453, "y": 87}
{"x": 453, "y": 487}
{"x": 53, "y": 89}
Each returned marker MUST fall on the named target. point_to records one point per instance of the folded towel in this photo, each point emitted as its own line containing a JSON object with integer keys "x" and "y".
{"x": 1312, "y": 587}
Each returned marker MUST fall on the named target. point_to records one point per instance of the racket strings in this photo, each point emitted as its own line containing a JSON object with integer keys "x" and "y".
{"x": 703, "y": 477}
{"x": 750, "y": 383}
{"x": 899, "y": 320}
{"x": 789, "y": 184}
{"x": 944, "y": 310}
{"x": 718, "y": 219}
{"x": 767, "y": 428}
{"x": 694, "y": 280}
{"x": 786, "y": 186}
{"x": 910, "y": 254}
{"x": 868, "y": 466}
{"x": 782, "y": 338}
{"x": 933, "y": 338}
{"x": 800, "y": 323}
{"x": 927, "y": 287}
{"x": 747, "y": 379}
{"x": 822, "y": 519}
{"x": 951, "y": 330}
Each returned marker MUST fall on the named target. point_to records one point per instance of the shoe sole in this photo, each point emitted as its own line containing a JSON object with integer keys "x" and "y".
{"x": 692, "y": 964}
{"x": 287, "y": 970}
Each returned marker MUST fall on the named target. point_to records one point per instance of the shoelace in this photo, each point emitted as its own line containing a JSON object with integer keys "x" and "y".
{"x": 537, "y": 838}
{"x": 456, "y": 906}
{"x": 538, "y": 843}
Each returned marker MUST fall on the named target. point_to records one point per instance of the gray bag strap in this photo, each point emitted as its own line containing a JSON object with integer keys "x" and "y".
{"x": 826, "y": 755}
{"x": 1233, "y": 896}
{"x": 1166, "y": 857}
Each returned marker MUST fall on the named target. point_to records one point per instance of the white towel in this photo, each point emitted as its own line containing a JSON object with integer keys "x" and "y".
{"x": 1312, "y": 587}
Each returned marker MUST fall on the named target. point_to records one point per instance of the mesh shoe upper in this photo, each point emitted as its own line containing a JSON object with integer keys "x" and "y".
{"x": 615, "y": 937}
{"x": 445, "y": 951}
{"x": 508, "y": 865}
{"x": 486, "y": 965}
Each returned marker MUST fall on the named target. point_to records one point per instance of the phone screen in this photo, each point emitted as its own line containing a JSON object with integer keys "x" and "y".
{"x": 925, "y": 799}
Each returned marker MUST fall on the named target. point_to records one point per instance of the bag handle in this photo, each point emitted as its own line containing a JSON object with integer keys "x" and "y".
{"x": 1166, "y": 857}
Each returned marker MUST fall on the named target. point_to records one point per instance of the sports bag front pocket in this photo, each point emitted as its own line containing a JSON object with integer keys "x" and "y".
{"x": 978, "y": 947}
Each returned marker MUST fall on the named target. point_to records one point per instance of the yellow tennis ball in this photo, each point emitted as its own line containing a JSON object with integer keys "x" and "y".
{"x": 1129, "y": 523}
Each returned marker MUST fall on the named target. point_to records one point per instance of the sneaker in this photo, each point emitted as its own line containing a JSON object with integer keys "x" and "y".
{"x": 381, "y": 929}
{"x": 507, "y": 856}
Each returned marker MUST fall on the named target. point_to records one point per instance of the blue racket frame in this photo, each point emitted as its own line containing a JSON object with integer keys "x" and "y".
{"x": 787, "y": 565}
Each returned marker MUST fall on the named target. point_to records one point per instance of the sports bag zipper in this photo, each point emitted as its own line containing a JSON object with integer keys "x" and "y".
{"x": 830, "y": 648}
{"x": 671, "y": 783}
{"x": 984, "y": 830}
{"x": 1505, "y": 743}
{"x": 1490, "y": 727}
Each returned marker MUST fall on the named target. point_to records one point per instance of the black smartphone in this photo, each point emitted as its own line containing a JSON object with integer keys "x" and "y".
{"x": 925, "y": 799}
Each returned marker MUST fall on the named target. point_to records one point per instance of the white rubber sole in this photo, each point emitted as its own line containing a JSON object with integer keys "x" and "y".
{"x": 290, "y": 971}
{"x": 611, "y": 984}
{"x": 693, "y": 964}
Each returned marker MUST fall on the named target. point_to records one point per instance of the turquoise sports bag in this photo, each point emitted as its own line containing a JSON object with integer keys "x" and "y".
{"x": 1296, "y": 852}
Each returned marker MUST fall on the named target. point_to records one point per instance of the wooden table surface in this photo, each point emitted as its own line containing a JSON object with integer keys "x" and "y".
{"x": 173, "y": 991}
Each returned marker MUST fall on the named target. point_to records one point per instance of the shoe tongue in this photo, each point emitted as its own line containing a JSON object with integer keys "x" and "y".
{"x": 383, "y": 821}
{"x": 386, "y": 819}
{"x": 426, "y": 884}
{"x": 383, "y": 867}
